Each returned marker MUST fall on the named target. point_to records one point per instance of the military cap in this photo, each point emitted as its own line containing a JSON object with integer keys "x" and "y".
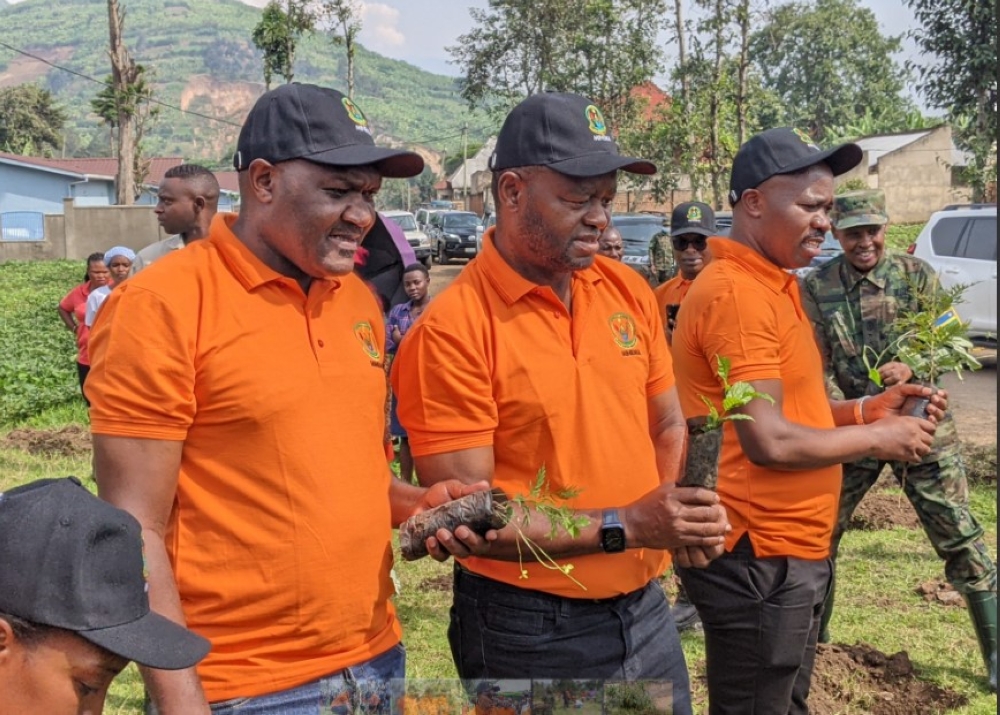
{"x": 859, "y": 208}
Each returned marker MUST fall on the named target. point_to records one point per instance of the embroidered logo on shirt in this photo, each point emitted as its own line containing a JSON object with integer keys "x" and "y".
{"x": 625, "y": 334}
{"x": 366, "y": 336}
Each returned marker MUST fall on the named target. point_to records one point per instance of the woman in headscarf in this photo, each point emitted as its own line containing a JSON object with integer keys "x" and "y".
{"x": 119, "y": 262}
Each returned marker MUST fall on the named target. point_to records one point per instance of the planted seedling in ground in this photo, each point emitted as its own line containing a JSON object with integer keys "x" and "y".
{"x": 701, "y": 462}
{"x": 493, "y": 509}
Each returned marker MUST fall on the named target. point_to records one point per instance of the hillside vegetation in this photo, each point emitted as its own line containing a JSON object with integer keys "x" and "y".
{"x": 204, "y": 61}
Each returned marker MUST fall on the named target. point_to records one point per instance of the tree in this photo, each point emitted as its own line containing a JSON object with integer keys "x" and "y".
{"x": 30, "y": 120}
{"x": 344, "y": 17}
{"x": 599, "y": 48}
{"x": 277, "y": 36}
{"x": 961, "y": 38}
{"x": 126, "y": 98}
{"x": 828, "y": 62}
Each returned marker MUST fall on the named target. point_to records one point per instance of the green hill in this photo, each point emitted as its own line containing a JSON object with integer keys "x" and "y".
{"x": 204, "y": 61}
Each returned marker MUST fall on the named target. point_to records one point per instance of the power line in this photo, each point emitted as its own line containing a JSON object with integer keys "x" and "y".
{"x": 106, "y": 84}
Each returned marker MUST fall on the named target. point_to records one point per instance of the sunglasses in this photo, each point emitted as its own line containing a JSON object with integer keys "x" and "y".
{"x": 680, "y": 243}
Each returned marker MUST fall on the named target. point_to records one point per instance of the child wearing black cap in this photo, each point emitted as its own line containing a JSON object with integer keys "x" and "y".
{"x": 73, "y": 603}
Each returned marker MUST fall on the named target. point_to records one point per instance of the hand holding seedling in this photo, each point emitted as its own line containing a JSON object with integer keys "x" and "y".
{"x": 671, "y": 517}
{"x": 890, "y": 403}
{"x": 893, "y": 373}
{"x": 463, "y": 541}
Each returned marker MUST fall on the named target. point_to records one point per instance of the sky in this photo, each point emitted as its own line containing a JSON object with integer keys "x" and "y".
{"x": 418, "y": 31}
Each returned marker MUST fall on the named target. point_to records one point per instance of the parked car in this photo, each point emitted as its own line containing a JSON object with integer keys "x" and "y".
{"x": 637, "y": 230}
{"x": 423, "y": 216}
{"x": 830, "y": 249}
{"x": 723, "y": 222}
{"x": 417, "y": 239}
{"x": 960, "y": 243}
{"x": 453, "y": 235}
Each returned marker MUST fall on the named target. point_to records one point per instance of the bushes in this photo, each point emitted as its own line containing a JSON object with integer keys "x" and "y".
{"x": 37, "y": 353}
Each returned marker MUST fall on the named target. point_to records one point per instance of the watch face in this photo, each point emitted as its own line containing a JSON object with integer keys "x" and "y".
{"x": 613, "y": 539}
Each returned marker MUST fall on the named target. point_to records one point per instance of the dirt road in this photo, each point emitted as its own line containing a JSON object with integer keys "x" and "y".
{"x": 973, "y": 400}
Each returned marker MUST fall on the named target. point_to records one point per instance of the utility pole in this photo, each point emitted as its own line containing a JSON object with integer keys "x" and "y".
{"x": 465, "y": 165}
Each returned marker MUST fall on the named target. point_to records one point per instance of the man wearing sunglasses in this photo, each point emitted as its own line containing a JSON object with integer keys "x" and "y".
{"x": 691, "y": 223}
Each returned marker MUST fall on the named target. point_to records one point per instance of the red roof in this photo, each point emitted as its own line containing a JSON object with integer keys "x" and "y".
{"x": 654, "y": 96}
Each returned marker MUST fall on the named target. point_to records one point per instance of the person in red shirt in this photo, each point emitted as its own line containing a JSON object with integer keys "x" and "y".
{"x": 73, "y": 309}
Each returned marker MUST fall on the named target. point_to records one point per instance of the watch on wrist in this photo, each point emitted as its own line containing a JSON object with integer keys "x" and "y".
{"x": 612, "y": 532}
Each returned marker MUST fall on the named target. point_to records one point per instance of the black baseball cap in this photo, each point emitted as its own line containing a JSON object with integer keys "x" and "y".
{"x": 564, "y": 132}
{"x": 784, "y": 150}
{"x": 692, "y": 217}
{"x": 304, "y": 121}
{"x": 70, "y": 560}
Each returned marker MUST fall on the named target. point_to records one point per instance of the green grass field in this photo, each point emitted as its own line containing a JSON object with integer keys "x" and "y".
{"x": 879, "y": 570}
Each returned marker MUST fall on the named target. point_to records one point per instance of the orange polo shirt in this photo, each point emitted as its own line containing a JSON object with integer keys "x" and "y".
{"x": 280, "y": 533}
{"x": 671, "y": 293}
{"x": 747, "y": 309}
{"x": 497, "y": 360}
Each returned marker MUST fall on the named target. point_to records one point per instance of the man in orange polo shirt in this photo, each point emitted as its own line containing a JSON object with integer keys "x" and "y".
{"x": 779, "y": 473}
{"x": 239, "y": 414}
{"x": 520, "y": 365}
{"x": 691, "y": 223}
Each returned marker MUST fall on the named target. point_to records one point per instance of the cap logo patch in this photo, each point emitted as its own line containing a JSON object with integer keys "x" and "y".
{"x": 694, "y": 214}
{"x": 355, "y": 114}
{"x": 595, "y": 121}
{"x": 366, "y": 336}
{"x": 806, "y": 139}
{"x": 623, "y": 329}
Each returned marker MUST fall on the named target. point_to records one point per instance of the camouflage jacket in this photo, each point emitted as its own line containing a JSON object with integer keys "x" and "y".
{"x": 851, "y": 311}
{"x": 661, "y": 257}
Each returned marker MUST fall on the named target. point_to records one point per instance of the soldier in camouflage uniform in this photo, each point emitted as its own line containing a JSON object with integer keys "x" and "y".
{"x": 853, "y": 301}
{"x": 661, "y": 257}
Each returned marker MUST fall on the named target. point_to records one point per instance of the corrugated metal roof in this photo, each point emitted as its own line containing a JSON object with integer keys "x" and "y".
{"x": 880, "y": 145}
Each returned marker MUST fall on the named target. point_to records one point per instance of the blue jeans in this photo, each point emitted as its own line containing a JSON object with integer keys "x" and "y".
{"x": 502, "y": 631}
{"x": 367, "y": 688}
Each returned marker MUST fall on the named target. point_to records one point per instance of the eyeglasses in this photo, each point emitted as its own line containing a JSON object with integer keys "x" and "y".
{"x": 680, "y": 243}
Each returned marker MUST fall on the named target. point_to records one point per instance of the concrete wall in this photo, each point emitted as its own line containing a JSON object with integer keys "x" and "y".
{"x": 82, "y": 230}
{"x": 917, "y": 179}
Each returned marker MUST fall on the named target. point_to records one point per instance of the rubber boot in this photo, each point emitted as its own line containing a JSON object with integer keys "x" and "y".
{"x": 685, "y": 614}
{"x": 824, "y": 620}
{"x": 983, "y": 611}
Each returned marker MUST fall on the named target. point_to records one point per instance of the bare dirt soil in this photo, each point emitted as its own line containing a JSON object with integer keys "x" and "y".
{"x": 861, "y": 679}
{"x": 883, "y": 510}
{"x": 939, "y": 591}
{"x": 70, "y": 441}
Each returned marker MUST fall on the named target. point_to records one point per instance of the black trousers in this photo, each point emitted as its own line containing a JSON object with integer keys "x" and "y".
{"x": 761, "y": 618}
{"x": 81, "y": 373}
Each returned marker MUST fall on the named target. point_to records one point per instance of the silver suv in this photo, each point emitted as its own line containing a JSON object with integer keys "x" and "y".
{"x": 960, "y": 243}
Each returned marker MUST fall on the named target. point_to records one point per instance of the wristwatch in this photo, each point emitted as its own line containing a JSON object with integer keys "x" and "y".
{"x": 612, "y": 532}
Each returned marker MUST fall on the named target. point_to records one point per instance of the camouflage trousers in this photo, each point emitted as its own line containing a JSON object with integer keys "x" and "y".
{"x": 939, "y": 492}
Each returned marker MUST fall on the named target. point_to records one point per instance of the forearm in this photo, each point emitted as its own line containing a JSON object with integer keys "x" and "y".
{"x": 404, "y": 499}
{"x": 172, "y": 691}
{"x": 530, "y": 536}
{"x": 67, "y": 319}
{"x": 796, "y": 447}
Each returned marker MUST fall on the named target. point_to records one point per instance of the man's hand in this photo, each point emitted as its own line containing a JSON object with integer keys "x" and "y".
{"x": 894, "y": 373}
{"x": 891, "y": 401}
{"x": 904, "y": 439}
{"x": 464, "y": 541}
{"x": 671, "y": 517}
